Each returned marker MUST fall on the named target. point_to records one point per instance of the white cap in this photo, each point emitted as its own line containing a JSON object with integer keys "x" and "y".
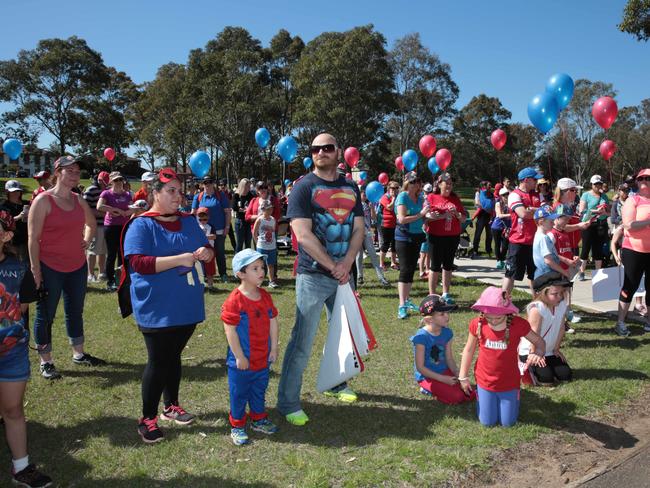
{"x": 504, "y": 191}
{"x": 13, "y": 185}
{"x": 428, "y": 188}
{"x": 595, "y": 179}
{"x": 139, "y": 205}
{"x": 566, "y": 183}
{"x": 147, "y": 176}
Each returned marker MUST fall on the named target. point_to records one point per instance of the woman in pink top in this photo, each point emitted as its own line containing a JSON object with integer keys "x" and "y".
{"x": 636, "y": 249}
{"x": 57, "y": 244}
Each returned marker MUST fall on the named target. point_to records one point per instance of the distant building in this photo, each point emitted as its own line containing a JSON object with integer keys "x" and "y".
{"x": 30, "y": 162}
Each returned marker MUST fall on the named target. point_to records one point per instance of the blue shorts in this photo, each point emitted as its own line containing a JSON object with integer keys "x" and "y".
{"x": 425, "y": 246}
{"x": 14, "y": 366}
{"x": 271, "y": 256}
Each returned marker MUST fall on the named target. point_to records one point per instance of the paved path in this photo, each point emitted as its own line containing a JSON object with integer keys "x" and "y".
{"x": 633, "y": 473}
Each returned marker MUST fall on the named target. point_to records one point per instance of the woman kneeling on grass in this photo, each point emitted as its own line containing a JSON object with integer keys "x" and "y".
{"x": 162, "y": 247}
{"x": 497, "y": 332}
{"x": 546, "y": 315}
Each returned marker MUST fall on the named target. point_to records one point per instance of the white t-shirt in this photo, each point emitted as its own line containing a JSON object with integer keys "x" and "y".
{"x": 207, "y": 229}
{"x": 552, "y": 323}
{"x": 266, "y": 234}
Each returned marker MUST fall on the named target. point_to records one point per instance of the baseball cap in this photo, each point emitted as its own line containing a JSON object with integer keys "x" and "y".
{"x": 147, "y": 176}
{"x": 504, "y": 191}
{"x": 567, "y": 183}
{"x": 545, "y": 212}
{"x": 7, "y": 221}
{"x": 564, "y": 211}
{"x": 428, "y": 188}
{"x": 595, "y": 179}
{"x": 444, "y": 177}
{"x": 115, "y": 175}
{"x": 103, "y": 176}
{"x": 208, "y": 180}
{"x": 139, "y": 204}
{"x": 166, "y": 175}
{"x": 203, "y": 210}
{"x": 552, "y": 278}
{"x": 543, "y": 181}
{"x": 529, "y": 173}
{"x": 13, "y": 185}
{"x": 244, "y": 258}
{"x": 261, "y": 185}
{"x": 64, "y": 161}
{"x": 42, "y": 175}
{"x": 223, "y": 182}
{"x": 644, "y": 172}
{"x": 412, "y": 177}
{"x": 435, "y": 303}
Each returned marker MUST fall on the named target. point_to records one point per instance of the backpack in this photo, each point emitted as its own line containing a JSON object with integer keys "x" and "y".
{"x": 220, "y": 195}
{"x": 487, "y": 203}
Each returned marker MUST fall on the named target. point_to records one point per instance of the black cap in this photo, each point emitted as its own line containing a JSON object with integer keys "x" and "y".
{"x": 208, "y": 179}
{"x": 435, "y": 303}
{"x": 552, "y": 278}
{"x": 223, "y": 182}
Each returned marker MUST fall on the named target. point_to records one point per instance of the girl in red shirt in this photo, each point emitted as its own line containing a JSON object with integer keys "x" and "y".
{"x": 497, "y": 332}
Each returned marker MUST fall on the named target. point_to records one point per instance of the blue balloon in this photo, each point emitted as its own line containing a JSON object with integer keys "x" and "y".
{"x": 307, "y": 163}
{"x": 374, "y": 191}
{"x": 560, "y": 86}
{"x": 363, "y": 175}
{"x": 262, "y": 137}
{"x": 433, "y": 166}
{"x": 12, "y": 148}
{"x": 543, "y": 111}
{"x": 200, "y": 163}
{"x": 410, "y": 159}
{"x": 287, "y": 182}
{"x": 287, "y": 148}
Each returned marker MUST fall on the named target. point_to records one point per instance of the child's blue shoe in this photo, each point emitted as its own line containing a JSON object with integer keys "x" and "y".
{"x": 447, "y": 298}
{"x": 402, "y": 312}
{"x": 411, "y": 306}
{"x": 265, "y": 426}
{"x": 239, "y": 436}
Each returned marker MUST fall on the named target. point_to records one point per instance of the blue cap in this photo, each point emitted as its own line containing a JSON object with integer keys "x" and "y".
{"x": 545, "y": 212}
{"x": 244, "y": 258}
{"x": 564, "y": 211}
{"x": 529, "y": 173}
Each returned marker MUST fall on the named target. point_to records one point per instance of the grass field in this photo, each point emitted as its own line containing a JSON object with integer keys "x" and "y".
{"x": 82, "y": 429}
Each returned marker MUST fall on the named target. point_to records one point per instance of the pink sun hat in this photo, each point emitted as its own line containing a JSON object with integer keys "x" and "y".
{"x": 494, "y": 301}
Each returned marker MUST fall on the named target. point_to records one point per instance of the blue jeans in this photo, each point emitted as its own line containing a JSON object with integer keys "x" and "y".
{"x": 243, "y": 233}
{"x": 220, "y": 253}
{"x": 313, "y": 290}
{"x": 73, "y": 287}
{"x": 497, "y": 407}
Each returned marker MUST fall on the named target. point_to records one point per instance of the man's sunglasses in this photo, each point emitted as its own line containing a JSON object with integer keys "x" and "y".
{"x": 643, "y": 178}
{"x": 326, "y": 148}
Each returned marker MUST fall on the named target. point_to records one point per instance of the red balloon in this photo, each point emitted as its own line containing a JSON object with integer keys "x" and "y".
{"x": 383, "y": 178}
{"x": 351, "y": 156}
{"x": 109, "y": 153}
{"x": 604, "y": 112}
{"x": 607, "y": 149}
{"x": 443, "y": 159}
{"x": 399, "y": 164}
{"x": 498, "y": 139}
{"x": 348, "y": 176}
{"x": 427, "y": 146}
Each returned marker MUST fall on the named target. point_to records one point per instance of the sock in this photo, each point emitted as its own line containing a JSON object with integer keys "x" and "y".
{"x": 78, "y": 355}
{"x": 20, "y": 464}
{"x": 46, "y": 362}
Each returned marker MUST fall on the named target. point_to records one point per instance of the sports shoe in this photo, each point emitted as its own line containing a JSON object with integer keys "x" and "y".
{"x": 360, "y": 280}
{"x": 447, "y": 298}
{"x": 224, "y": 278}
{"x": 425, "y": 392}
{"x": 641, "y": 309}
{"x": 646, "y": 327}
{"x": 297, "y": 418}
{"x": 49, "y": 372}
{"x": 273, "y": 284}
{"x": 239, "y": 436}
{"x": 101, "y": 277}
{"x": 345, "y": 395}
{"x": 110, "y": 286}
{"x": 30, "y": 477}
{"x": 411, "y": 306}
{"x": 177, "y": 414}
{"x": 568, "y": 329}
{"x": 572, "y": 317}
{"x": 265, "y": 426}
{"x": 402, "y": 312}
{"x": 384, "y": 281}
{"x": 581, "y": 277}
{"x": 621, "y": 329}
{"x": 91, "y": 279}
{"x": 149, "y": 430}
{"x": 500, "y": 265}
{"x": 88, "y": 360}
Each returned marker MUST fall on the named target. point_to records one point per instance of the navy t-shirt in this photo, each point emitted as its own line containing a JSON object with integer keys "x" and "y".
{"x": 332, "y": 207}
{"x": 17, "y": 287}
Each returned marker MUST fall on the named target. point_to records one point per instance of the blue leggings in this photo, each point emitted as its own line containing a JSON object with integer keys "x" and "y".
{"x": 247, "y": 387}
{"x": 497, "y": 407}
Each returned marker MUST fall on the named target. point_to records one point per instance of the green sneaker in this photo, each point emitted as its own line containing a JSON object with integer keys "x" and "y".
{"x": 239, "y": 436}
{"x": 345, "y": 395}
{"x": 297, "y": 418}
{"x": 411, "y": 306}
{"x": 265, "y": 426}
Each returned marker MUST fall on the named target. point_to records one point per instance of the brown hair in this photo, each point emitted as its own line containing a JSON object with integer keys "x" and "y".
{"x": 482, "y": 319}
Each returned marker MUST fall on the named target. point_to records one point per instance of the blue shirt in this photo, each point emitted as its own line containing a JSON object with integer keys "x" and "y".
{"x": 543, "y": 246}
{"x": 435, "y": 348}
{"x": 402, "y": 231}
{"x": 592, "y": 202}
{"x": 216, "y": 204}
{"x": 165, "y": 299}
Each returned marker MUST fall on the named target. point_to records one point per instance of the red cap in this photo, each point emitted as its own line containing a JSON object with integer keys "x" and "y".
{"x": 644, "y": 172}
{"x": 203, "y": 210}
{"x": 103, "y": 176}
{"x": 166, "y": 175}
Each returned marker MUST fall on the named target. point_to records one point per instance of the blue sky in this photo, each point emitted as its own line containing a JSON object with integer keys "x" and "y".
{"x": 506, "y": 49}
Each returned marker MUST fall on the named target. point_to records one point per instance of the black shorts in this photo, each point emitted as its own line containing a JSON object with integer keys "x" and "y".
{"x": 519, "y": 262}
{"x": 442, "y": 250}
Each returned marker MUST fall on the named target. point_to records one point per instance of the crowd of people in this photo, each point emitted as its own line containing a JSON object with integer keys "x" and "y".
{"x": 168, "y": 243}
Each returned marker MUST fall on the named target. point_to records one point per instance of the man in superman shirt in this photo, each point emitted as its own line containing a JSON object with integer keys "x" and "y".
{"x": 327, "y": 220}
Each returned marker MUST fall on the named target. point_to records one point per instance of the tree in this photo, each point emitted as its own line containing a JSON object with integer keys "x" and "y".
{"x": 50, "y": 87}
{"x": 425, "y": 93}
{"x": 636, "y": 19}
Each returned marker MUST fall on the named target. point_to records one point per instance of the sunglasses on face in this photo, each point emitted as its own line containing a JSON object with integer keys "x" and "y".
{"x": 326, "y": 148}
{"x": 643, "y": 178}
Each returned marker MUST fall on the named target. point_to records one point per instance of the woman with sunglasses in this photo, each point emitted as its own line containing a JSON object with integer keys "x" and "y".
{"x": 594, "y": 208}
{"x": 115, "y": 202}
{"x": 240, "y": 202}
{"x": 545, "y": 191}
{"x": 566, "y": 194}
{"x": 635, "y": 253}
{"x": 161, "y": 248}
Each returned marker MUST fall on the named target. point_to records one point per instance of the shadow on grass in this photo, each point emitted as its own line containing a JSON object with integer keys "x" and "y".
{"x": 608, "y": 374}
{"x": 629, "y": 343}
{"x": 184, "y": 481}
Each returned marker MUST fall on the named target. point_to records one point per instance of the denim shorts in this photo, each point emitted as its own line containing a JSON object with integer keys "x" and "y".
{"x": 271, "y": 256}
{"x": 14, "y": 366}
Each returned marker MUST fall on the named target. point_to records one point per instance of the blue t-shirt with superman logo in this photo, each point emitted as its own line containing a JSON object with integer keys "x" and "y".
{"x": 434, "y": 350}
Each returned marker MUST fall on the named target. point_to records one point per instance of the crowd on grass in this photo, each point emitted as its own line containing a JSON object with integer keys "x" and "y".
{"x": 165, "y": 244}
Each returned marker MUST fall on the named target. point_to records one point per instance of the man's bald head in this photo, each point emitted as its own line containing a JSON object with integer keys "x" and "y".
{"x": 324, "y": 138}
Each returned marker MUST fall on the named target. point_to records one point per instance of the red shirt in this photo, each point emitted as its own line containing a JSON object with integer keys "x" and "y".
{"x": 563, "y": 246}
{"x": 497, "y": 366}
{"x": 388, "y": 217}
{"x": 254, "y": 209}
{"x": 141, "y": 194}
{"x": 522, "y": 230}
{"x": 444, "y": 227}
{"x": 62, "y": 236}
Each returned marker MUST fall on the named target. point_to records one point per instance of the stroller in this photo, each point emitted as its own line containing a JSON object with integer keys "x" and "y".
{"x": 465, "y": 244}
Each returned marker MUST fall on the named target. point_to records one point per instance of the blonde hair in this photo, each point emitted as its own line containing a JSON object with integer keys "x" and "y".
{"x": 481, "y": 319}
{"x": 541, "y": 295}
{"x": 241, "y": 185}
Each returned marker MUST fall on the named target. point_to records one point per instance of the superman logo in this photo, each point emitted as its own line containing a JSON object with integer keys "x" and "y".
{"x": 338, "y": 202}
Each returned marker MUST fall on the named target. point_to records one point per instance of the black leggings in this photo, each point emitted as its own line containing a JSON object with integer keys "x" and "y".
{"x": 594, "y": 238}
{"x": 635, "y": 263}
{"x": 555, "y": 368}
{"x": 483, "y": 222}
{"x": 442, "y": 250}
{"x": 408, "y": 254}
{"x": 162, "y": 373}
{"x": 388, "y": 239}
{"x": 112, "y": 235}
{"x": 500, "y": 244}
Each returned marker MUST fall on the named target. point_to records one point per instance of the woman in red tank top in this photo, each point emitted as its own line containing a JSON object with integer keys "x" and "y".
{"x": 57, "y": 244}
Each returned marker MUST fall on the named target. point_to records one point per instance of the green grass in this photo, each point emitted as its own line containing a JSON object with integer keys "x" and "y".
{"x": 82, "y": 429}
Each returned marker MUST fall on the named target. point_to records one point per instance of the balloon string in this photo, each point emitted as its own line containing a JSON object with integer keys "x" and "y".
{"x": 566, "y": 157}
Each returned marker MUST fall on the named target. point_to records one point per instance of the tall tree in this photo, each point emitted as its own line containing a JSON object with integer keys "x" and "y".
{"x": 636, "y": 19}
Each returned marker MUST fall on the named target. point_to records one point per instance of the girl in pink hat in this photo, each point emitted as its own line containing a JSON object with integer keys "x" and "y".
{"x": 497, "y": 332}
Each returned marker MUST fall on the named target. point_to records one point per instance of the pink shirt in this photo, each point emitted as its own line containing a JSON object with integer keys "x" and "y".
{"x": 116, "y": 200}
{"x": 637, "y": 239}
{"x": 62, "y": 235}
